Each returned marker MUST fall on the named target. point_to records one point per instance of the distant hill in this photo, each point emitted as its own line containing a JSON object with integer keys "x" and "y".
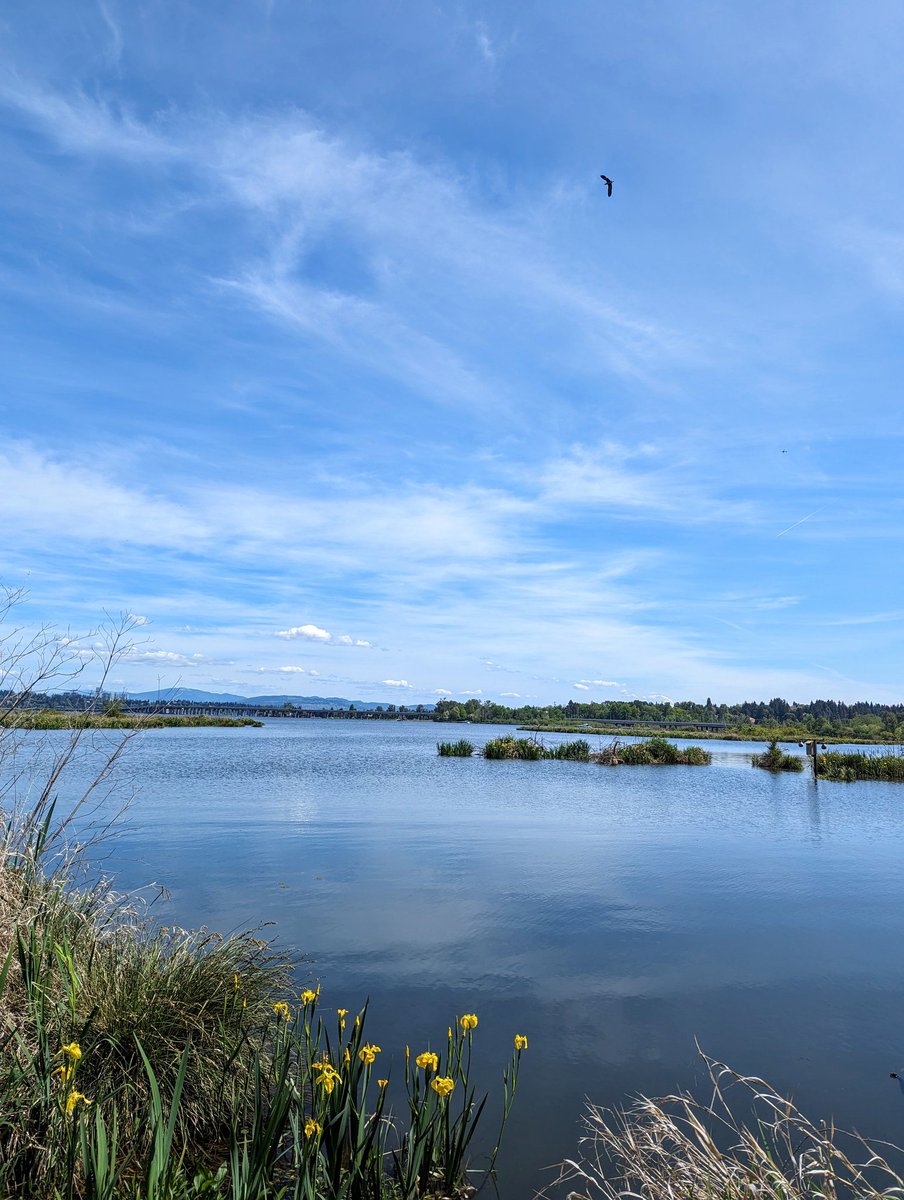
{"x": 199, "y": 697}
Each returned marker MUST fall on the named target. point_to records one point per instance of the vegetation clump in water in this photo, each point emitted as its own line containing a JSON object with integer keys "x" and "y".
{"x": 460, "y": 749}
{"x": 846, "y": 768}
{"x": 654, "y": 752}
{"x": 775, "y": 759}
{"x": 509, "y": 747}
{"x": 532, "y": 750}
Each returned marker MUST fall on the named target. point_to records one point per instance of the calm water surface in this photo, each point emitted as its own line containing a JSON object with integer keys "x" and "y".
{"x": 613, "y": 915}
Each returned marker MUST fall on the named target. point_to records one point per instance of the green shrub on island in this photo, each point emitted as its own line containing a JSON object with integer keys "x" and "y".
{"x": 775, "y": 759}
{"x": 847, "y": 768}
{"x": 460, "y": 749}
{"x": 532, "y": 750}
{"x": 509, "y": 747}
{"x": 654, "y": 752}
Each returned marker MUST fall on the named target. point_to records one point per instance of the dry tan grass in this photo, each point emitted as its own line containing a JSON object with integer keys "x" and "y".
{"x": 746, "y": 1142}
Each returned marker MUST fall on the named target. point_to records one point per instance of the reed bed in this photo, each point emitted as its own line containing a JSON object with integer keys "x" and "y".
{"x": 460, "y": 749}
{"x": 654, "y": 752}
{"x": 533, "y": 750}
{"x": 847, "y": 768}
{"x": 746, "y": 1142}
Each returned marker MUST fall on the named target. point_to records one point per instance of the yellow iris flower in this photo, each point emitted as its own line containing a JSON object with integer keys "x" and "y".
{"x": 469, "y": 1021}
{"x": 520, "y": 1041}
{"x": 73, "y": 1099}
{"x": 428, "y": 1061}
{"x": 442, "y": 1084}
{"x": 327, "y": 1076}
{"x": 307, "y": 997}
{"x": 312, "y": 1128}
{"x": 281, "y": 1009}
{"x": 74, "y": 1051}
{"x": 369, "y": 1052}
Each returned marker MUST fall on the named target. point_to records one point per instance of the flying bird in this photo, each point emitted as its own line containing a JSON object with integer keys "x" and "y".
{"x": 608, "y": 182}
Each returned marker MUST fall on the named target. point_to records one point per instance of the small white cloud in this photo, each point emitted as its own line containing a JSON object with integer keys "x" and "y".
{"x": 164, "y": 656}
{"x": 478, "y": 692}
{"x": 440, "y": 692}
{"x": 511, "y": 695}
{"x": 135, "y": 619}
{"x": 345, "y": 640}
{"x": 313, "y": 672}
{"x": 584, "y": 687}
{"x": 402, "y": 683}
{"x": 292, "y": 670}
{"x": 312, "y": 632}
{"x": 484, "y": 44}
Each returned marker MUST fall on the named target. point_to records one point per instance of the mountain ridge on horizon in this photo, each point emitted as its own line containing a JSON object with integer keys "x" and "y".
{"x": 273, "y": 701}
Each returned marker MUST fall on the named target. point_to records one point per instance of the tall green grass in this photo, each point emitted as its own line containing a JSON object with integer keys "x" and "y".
{"x": 532, "y": 750}
{"x": 460, "y": 749}
{"x": 846, "y": 768}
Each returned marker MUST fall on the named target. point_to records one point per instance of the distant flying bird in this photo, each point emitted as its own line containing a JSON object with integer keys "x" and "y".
{"x": 608, "y": 182}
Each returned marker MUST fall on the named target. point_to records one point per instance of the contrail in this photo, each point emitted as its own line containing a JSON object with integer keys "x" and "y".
{"x": 801, "y": 521}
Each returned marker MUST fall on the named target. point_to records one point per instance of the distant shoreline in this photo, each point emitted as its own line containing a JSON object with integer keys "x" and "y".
{"x": 50, "y": 719}
{"x": 753, "y": 734}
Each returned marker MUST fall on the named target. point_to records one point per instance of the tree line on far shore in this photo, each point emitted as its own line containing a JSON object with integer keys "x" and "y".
{"x": 820, "y": 718}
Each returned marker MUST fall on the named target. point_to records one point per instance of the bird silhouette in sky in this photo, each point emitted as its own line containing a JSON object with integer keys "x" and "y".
{"x": 608, "y": 182}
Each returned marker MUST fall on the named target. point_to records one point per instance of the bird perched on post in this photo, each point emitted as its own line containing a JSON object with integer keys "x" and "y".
{"x": 608, "y": 182}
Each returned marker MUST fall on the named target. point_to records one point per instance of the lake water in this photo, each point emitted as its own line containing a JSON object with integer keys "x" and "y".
{"x": 614, "y": 915}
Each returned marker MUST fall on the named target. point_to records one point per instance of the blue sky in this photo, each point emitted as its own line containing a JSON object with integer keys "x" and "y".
{"x": 324, "y": 351}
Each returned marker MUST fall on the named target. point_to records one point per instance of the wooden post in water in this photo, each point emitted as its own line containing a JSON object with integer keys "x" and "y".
{"x": 811, "y": 751}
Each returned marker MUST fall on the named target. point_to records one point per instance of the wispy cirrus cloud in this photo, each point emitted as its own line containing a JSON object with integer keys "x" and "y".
{"x": 418, "y": 230}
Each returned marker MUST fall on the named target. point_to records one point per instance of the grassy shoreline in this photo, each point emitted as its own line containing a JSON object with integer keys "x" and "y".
{"x": 54, "y": 719}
